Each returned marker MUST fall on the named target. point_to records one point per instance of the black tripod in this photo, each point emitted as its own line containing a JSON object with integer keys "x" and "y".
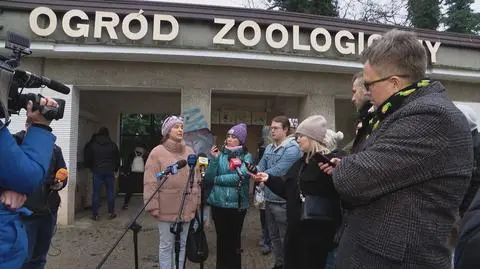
{"x": 177, "y": 226}
{"x": 135, "y": 227}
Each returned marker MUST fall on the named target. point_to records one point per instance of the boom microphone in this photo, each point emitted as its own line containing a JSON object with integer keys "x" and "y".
{"x": 36, "y": 81}
{"x": 172, "y": 169}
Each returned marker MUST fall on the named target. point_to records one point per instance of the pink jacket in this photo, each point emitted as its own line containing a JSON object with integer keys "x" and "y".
{"x": 169, "y": 198}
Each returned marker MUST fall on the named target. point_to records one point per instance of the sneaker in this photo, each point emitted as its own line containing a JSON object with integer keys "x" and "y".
{"x": 94, "y": 217}
{"x": 112, "y": 216}
{"x": 125, "y": 207}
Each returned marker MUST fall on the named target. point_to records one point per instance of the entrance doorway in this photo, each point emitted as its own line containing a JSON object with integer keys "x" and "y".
{"x": 137, "y": 131}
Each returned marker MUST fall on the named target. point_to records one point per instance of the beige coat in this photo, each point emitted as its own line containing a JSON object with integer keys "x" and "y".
{"x": 168, "y": 199}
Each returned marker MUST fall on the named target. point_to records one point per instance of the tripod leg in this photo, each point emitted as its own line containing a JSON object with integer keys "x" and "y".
{"x": 135, "y": 248}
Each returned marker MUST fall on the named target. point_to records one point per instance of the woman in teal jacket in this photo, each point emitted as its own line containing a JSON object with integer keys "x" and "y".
{"x": 229, "y": 196}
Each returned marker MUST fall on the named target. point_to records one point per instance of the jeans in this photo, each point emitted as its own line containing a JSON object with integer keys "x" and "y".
{"x": 267, "y": 242}
{"x": 39, "y": 231}
{"x": 331, "y": 259}
{"x": 276, "y": 216}
{"x": 106, "y": 178}
{"x": 166, "y": 246}
{"x": 228, "y": 225}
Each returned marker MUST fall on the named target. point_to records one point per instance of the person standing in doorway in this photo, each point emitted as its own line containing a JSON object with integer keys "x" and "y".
{"x": 134, "y": 175}
{"x": 276, "y": 160}
{"x": 103, "y": 158}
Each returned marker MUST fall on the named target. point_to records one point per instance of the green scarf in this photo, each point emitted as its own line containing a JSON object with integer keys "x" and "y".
{"x": 393, "y": 103}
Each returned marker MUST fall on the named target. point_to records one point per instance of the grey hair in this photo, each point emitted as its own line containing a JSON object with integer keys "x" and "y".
{"x": 397, "y": 53}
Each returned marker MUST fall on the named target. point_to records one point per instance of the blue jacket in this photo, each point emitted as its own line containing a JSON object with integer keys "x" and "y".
{"x": 22, "y": 169}
{"x": 225, "y": 182}
{"x": 276, "y": 161}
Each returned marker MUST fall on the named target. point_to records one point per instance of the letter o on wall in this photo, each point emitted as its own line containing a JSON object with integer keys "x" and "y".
{"x": 126, "y": 26}
{"x": 256, "y": 33}
{"x": 33, "y": 19}
{"x": 269, "y": 35}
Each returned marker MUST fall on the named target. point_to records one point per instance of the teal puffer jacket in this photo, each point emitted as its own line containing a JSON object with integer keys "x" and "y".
{"x": 225, "y": 182}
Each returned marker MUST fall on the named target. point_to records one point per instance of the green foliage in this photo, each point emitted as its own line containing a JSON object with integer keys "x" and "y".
{"x": 461, "y": 18}
{"x": 317, "y": 7}
{"x": 424, "y": 13}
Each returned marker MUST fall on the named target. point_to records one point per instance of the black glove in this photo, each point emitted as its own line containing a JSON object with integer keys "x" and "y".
{"x": 251, "y": 168}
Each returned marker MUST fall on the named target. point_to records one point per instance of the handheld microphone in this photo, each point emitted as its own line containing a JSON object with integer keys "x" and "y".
{"x": 172, "y": 169}
{"x": 202, "y": 163}
{"x": 61, "y": 175}
{"x": 235, "y": 163}
{"x": 192, "y": 161}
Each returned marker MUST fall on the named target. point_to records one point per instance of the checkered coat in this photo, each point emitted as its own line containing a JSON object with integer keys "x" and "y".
{"x": 406, "y": 185}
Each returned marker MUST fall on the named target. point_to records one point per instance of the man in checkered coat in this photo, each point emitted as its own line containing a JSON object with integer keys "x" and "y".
{"x": 404, "y": 187}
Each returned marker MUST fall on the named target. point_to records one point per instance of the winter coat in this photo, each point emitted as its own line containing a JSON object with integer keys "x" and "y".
{"x": 102, "y": 155}
{"x": 225, "y": 192}
{"x": 276, "y": 161}
{"x": 169, "y": 198}
{"x": 405, "y": 185}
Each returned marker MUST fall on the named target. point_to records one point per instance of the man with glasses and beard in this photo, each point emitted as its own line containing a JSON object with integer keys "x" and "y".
{"x": 406, "y": 182}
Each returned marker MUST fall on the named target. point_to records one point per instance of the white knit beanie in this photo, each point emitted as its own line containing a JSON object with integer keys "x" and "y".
{"x": 314, "y": 127}
{"x": 332, "y": 138}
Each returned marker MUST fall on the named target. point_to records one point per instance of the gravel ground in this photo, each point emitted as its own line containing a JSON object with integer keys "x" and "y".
{"x": 84, "y": 244}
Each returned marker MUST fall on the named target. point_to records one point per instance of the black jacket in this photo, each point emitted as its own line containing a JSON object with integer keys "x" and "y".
{"x": 313, "y": 181}
{"x": 44, "y": 200}
{"x": 102, "y": 155}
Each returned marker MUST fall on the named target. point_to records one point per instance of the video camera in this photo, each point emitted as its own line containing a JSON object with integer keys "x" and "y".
{"x": 13, "y": 80}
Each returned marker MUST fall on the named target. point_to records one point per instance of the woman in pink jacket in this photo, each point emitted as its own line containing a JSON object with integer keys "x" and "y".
{"x": 165, "y": 205}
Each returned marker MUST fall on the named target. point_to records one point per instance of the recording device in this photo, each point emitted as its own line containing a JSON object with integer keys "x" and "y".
{"x": 172, "y": 169}
{"x": 320, "y": 158}
{"x": 202, "y": 163}
{"x": 251, "y": 168}
{"x": 13, "y": 80}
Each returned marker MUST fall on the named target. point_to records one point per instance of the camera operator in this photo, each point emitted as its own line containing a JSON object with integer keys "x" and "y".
{"x": 22, "y": 170}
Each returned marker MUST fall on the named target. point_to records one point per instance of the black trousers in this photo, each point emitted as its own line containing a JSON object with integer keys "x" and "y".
{"x": 307, "y": 244}
{"x": 228, "y": 224}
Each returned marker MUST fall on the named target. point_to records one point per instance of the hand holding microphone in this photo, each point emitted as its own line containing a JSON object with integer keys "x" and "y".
{"x": 60, "y": 177}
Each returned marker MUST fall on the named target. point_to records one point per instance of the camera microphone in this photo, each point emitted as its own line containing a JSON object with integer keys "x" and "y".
{"x": 35, "y": 81}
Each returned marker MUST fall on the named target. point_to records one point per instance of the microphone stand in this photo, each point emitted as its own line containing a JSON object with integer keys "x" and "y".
{"x": 201, "y": 251}
{"x": 135, "y": 227}
{"x": 177, "y": 227}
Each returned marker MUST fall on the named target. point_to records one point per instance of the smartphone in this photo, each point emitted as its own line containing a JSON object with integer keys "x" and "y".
{"x": 319, "y": 158}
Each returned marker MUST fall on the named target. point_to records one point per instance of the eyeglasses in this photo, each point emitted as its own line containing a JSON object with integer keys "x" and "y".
{"x": 369, "y": 84}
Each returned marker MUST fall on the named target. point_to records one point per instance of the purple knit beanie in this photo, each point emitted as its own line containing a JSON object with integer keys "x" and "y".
{"x": 240, "y": 132}
{"x": 168, "y": 124}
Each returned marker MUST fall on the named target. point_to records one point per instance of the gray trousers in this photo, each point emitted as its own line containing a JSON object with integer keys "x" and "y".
{"x": 276, "y": 217}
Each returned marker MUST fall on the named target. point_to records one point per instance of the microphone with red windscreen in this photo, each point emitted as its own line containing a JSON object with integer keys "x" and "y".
{"x": 61, "y": 175}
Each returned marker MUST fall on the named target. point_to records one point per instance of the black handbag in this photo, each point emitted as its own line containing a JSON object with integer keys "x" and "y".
{"x": 314, "y": 207}
{"x": 197, "y": 246}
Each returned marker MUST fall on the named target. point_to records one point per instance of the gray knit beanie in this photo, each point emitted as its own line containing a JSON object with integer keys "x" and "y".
{"x": 314, "y": 127}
